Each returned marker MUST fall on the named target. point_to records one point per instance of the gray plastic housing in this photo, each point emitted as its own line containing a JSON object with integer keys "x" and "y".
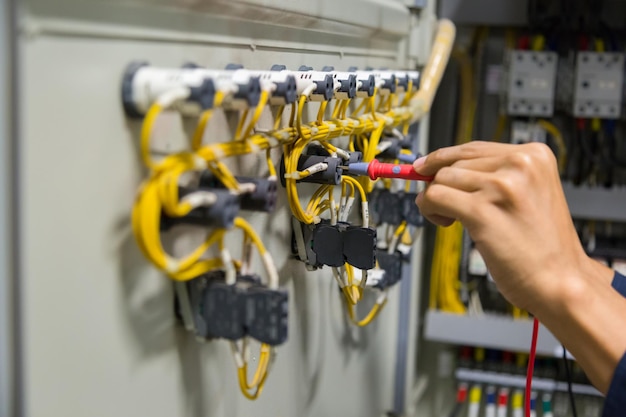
{"x": 331, "y": 175}
{"x": 220, "y": 214}
{"x": 262, "y": 198}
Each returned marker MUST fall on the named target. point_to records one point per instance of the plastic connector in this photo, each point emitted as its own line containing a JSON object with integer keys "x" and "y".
{"x": 359, "y": 247}
{"x": 319, "y": 85}
{"x": 334, "y": 245}
{"x": 220, "y": 213}
{"x": 262, "y": 197}
{"x": 345, "y": 83}
{"x": 331, "y": 175}
{"x": 393, "y": 149}
{"x": 391, "y": 263}
{"x": 142, "y": 85}
{"x": 280, "y": 84}
{"x": 223, "y": 310}
{"x": 415, "y": 77}
{"x": 385, "y": 81}
{"x": 386, "y": 207}
{"x": 235, "y": 311}
{"x": 327, "y": 243}
{"x": 240, "y": 87}
{"x": 267, "y": 314}
{"x": 402, "y": 81}
{"x": 410, "y": 211}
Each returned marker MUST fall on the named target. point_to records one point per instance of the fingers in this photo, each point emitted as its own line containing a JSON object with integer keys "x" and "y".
{"x": 433, "y": 162}
{"x": 461, "y": 179}
{"x": 442, "y": 204}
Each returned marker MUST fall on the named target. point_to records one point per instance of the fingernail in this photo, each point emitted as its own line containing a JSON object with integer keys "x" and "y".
{"x": 419, "y": 162}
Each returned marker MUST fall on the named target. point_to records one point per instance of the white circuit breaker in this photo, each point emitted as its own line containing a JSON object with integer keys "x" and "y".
{"x": 599, "y": 81}
{"x": 531, "y": 83}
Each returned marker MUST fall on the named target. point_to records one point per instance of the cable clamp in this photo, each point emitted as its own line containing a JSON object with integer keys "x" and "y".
{"x": 315, "y": 168}
{"x": 199, "y": 199}
{"x": 293, "y": 175}
{"x": 172, "y": 265}
{"x": 217, "y": 151}
{"x": 272, "y": 141}
{"x": 199, "y": 163}
{"x": 314, "y": 130}
{"x": 254, "y": 148}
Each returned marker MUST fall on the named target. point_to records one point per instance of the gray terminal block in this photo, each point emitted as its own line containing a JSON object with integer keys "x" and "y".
{"x": 531, "y": 83}
{"x": 220, "y": 213}
{"x": 267, "y": 315}
{"x": 599, "y": 84}
{"x": 262, "y": 198}
{"x": 323, "y": 85}
{"x": 143, "y": 85}
{"x": 331, "y": 175}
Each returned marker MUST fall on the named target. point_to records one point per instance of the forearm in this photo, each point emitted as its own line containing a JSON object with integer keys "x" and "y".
{"x": 587, "y": 318}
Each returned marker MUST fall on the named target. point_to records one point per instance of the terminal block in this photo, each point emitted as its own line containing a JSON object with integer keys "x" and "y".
{"x": 531, "y": 83}
{"x": 402, "y": 81}
{"x": 320, "y": 85}
{"x": 213, "y": 208}
{"x": 334, "y": 245}
{"x": 331, "y": 175}
{"x": 267, "y": 313}
{"x": 143, "y": 85}
{"x": 281, "y": 85}
{"x": 232, "y": 312}
{"x": 345, "y": 83}
{"x": 241, "y": 88}
{"x": 414, "y": 76}
{"x": 385, "y": 80}
{"x": 262, "y": 197}
{"x": 391, "y": 263}
{"x": 599, "y": 85}
{"x": 394, "y": 148}
{"x": 394, "y": 208}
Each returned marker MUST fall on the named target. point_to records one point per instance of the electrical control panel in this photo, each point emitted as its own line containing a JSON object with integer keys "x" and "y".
{"x": 531, "y": 83}
{"x": 599, "y": 85}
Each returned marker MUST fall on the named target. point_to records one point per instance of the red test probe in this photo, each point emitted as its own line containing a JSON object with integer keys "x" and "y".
{"x": 376, "y": 170}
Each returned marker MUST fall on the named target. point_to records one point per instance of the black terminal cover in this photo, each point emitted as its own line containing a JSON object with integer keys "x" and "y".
{"x": 267, "y": 315}
{"x": 391, "y": 263}
{"x": 224, "y": 311}
{"x": 389, "y": 207}
{"x": 359, "y": 247}
{"x": 327, "y": 244}
{"x": 410, "y": 211}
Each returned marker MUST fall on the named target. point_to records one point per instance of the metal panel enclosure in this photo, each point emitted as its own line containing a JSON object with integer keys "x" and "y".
{"x": 100, "y": 336}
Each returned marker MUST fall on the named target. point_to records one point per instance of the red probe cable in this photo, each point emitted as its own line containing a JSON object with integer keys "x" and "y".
{"x": 531, "y": 367}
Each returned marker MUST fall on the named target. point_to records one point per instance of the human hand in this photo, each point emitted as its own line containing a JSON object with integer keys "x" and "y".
{"x": 510, "y": 199}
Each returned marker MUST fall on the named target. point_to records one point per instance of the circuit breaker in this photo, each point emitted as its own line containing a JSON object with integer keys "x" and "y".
{"x": 599, "y": 80}
{"x": 531, "y": 83}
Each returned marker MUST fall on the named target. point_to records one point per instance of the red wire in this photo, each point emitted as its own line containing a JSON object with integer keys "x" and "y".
{"x": 531, "y": 367}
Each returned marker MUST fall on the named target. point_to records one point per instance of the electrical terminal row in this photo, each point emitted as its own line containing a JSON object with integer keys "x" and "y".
{"x": 192, "y": 89}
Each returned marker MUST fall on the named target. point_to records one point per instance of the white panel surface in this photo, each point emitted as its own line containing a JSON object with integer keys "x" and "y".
{"x": 100, "y": 335}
